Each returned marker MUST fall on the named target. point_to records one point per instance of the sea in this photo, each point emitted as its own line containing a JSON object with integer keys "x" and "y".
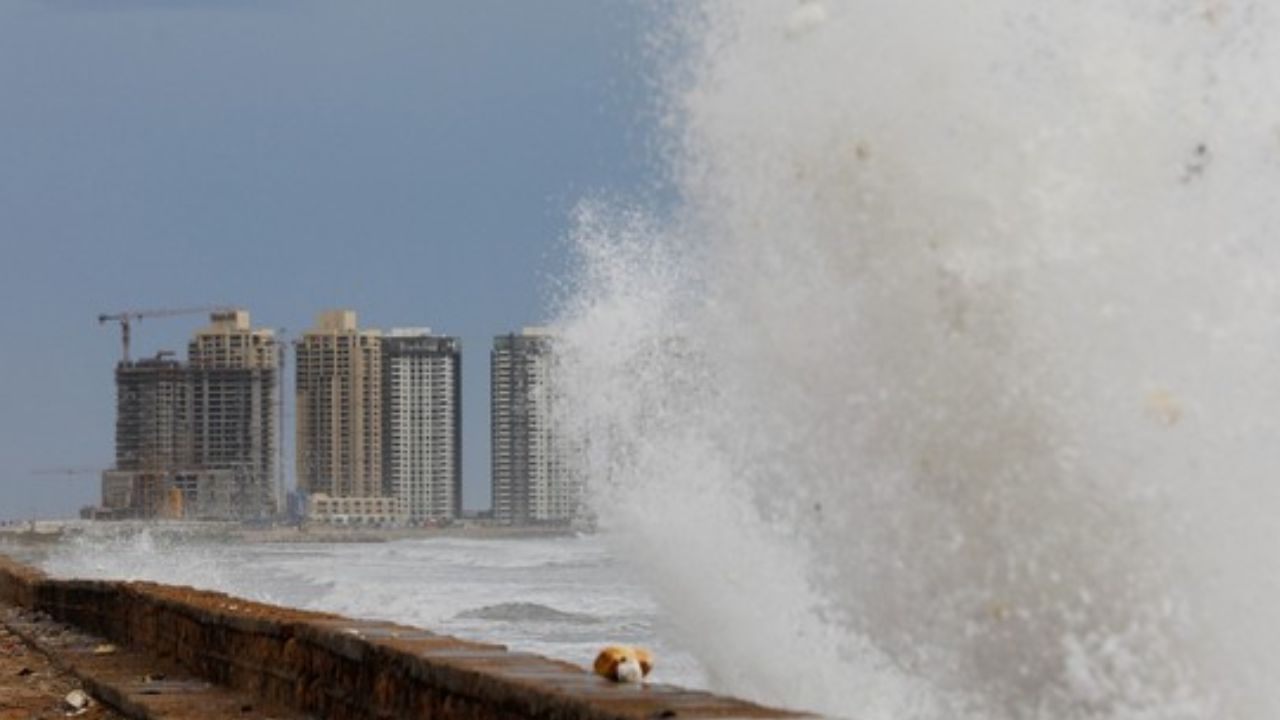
{"x": 561, "y": 596}
{"x": 945, "y": 389}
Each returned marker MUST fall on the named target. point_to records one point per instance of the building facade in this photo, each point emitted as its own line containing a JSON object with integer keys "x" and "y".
{"x": 422, "y": 423}
{"x": 531, "y": 481}
{"x": 387, "y": 511}
{"x": 234, "y": 372}
{"x": 153, "y": 436}
{"x": 339, "y": 408}
{"x": 153, "y": 415}
{"x": 197, "y": 439}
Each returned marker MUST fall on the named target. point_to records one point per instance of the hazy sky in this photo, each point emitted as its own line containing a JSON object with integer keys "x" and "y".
{"x": 415, "y": 161}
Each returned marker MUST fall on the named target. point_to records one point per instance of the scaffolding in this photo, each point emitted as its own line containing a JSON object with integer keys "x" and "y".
{"x": 197, "y": 440}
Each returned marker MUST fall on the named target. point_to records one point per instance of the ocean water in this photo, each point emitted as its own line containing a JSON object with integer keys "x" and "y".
{"x": 564, "y": 597}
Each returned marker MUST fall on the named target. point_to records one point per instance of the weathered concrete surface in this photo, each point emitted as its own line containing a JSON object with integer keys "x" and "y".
{"x": 31, "y": 687}
{"x": 136, "y": 684}
{"x": 335, "y": 667}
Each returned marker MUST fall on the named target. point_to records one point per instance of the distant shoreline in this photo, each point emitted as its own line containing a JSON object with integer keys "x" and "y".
{"x": 327, "y": 533}
{"x": 44, "y": 531}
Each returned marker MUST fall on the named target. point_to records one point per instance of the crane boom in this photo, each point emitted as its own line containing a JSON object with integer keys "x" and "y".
{"x": 67, "y": 471}
{"x": 127, "y": 317}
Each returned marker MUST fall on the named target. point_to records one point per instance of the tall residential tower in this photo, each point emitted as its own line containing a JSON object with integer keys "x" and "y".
{"x": 234, "y": 379}
{"x": 531, "y": 480}
{"x": 339, "y": 408}
{"x": 421, "y": 422}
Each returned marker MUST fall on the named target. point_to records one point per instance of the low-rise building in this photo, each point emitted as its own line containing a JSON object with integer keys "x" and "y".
{"x": 368, "y": 511}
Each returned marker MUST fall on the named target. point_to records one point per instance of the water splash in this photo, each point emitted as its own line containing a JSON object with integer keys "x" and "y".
{"x": 137, "y": 551}
{"x": 950, "y": 388}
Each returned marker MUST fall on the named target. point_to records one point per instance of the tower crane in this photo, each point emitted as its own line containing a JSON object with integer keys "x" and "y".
{"x": 127, "y": 317}
{"x": 67, "y": 471}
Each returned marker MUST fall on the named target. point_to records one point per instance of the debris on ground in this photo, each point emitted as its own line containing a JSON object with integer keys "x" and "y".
{"x": 31, "y": 688}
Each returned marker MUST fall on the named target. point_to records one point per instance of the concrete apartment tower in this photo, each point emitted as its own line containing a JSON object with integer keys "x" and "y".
{"x": 531, "y": 482}
{"x": 422, "y": 422}
{"x": 234, "y": 372}
{"x": 339, "y": 408}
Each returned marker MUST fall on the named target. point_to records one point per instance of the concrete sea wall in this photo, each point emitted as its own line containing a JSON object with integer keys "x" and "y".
{"x": 335, "y": 667}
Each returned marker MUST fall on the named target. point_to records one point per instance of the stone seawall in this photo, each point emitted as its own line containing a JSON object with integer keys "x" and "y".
{"x": 335, "y": 667}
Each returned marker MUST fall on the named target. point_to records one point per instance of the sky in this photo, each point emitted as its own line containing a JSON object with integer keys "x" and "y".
{"x": 414, "y": 161}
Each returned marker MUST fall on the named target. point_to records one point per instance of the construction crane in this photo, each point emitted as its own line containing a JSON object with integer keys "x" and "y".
{"x": 126, "y": 317}
{"x": 67, "y": 471}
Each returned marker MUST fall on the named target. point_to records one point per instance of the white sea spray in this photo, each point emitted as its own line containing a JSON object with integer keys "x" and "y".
{"x": 950, "y": 387}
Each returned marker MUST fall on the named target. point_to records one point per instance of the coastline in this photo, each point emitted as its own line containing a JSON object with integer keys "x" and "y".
{"x": 39, "y": 532}
{"x": 317, "y": 664}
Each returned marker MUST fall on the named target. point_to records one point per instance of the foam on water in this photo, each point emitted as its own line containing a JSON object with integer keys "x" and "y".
{"x": 564, "y": 597}
{"x": 950, "y": 389}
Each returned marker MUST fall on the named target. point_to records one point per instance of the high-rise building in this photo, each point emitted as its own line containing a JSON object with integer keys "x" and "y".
{"x": 339, "y": 408}
{"x": 153, "y": 415}
{"x": 153, "y": 437}
{"x": 531, "y": 480}
{"x": 234, "y": 372}
{"x": 421, "y": 423}
{"x": 197, "y": 439}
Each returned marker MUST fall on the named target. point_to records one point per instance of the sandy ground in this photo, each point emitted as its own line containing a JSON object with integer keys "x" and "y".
{"x": 30, "y": 687}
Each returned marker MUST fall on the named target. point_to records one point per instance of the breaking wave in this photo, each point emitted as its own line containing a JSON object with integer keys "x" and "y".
{"x": 949, "y": 389}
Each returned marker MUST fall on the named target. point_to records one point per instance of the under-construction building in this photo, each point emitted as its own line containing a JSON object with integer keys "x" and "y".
{"x": 153, "y": 415}
{"x": 234, "y": 371}
{"x": 532, "y": 482}
{"x": 153, "y": 436}
{"x": 197, "y": 439}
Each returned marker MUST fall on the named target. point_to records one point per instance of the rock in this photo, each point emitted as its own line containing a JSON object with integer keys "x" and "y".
{"x": 77, "y": 700}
